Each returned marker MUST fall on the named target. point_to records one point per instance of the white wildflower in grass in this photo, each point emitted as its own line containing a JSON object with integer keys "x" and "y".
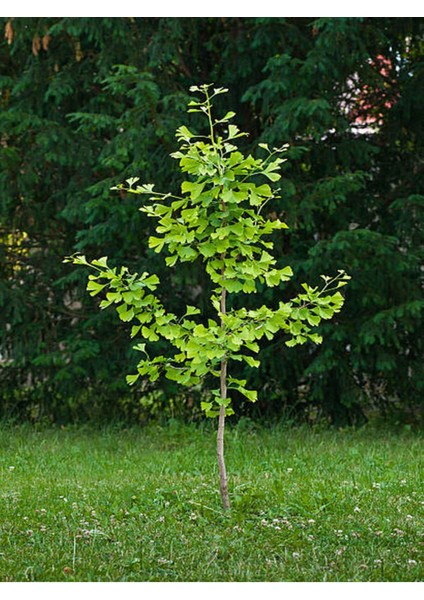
{"x": 11, "y": 468}
{"x": 161, "y": 519}
{"x": 412, "y": 562}
{"x": 296, "y": 555}
{"x": 289, "y": 470}
{"x": 409, "y": 517}
{"x": 311, "y": 521}
{"x": 193, "y": 516}
{"x": 95, "y": 531}
{"x": 376, "y": 485}
{"x": 357, "y": 509}
{"x": 378, "y": 561}
{"x": 264, "y": 522}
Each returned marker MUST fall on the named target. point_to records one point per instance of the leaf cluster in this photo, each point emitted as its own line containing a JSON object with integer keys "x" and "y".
{"x": 219, "y": 219}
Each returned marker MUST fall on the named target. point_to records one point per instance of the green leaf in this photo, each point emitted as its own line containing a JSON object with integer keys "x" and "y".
{"x": 183, "y": 133}
{"x": 314, "y": 337}
{"x": 272, "y": 176}
{"x": 194, "y": 189}
{"x": 186, "y": 253}
{"x": 94, "y": 288}
{"x": 286, "y": 273}
{"x": 232, "y": 285}
{"x": 132, "y": 180}
{"x": 151, "y": 282}
{"x": 313, "y": 319}
{"x": 135, "y": 330}
{"x": 149, "y": 334}
{"x": 251, "y": 395}
{"x": 273, "y": 278}
{"x": 214, "y": 413}
{"x": 264, "y": 190}
{"x": 100, "y": 262}
{"x": 233, "y": 132}
{"x": 192, "y": 310}
{"x": 131, "y": 379}
{"x": 78, "y": 259}
{"x": 126, "y": 315}
{"x": 114, "y": 297}
{"x": 171, "y": 260}
{"x": 156, "y": 243}
{"x": 229, "y": 115}
{"x": 140, "y": 348}
{"x": 324, "y": 313}
{"x": 252, "y": 362}
{"x": 207, "y": 249}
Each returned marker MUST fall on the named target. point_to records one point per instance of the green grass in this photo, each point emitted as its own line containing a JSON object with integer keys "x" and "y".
{"x": 143, "y": 505}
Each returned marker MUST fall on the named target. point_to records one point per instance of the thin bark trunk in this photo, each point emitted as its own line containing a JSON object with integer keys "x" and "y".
{"x": 223, "y": 482}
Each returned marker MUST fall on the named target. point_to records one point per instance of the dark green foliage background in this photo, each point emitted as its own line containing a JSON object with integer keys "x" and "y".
{"x": 86, "y": 102}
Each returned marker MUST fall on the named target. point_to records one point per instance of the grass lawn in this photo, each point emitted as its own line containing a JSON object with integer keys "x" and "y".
{"x": 143, "y": 505}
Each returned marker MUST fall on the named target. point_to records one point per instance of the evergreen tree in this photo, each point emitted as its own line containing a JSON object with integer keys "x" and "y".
{"x": 87, "y": 102}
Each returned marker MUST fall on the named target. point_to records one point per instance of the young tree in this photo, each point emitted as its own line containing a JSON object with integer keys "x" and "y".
{"x": 219, "y": 218}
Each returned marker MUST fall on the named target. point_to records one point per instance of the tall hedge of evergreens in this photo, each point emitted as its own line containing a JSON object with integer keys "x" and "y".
{"x": 88, "y": 102}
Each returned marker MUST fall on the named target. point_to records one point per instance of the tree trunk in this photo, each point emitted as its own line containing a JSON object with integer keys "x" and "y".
{"x": 223, "y": 482}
